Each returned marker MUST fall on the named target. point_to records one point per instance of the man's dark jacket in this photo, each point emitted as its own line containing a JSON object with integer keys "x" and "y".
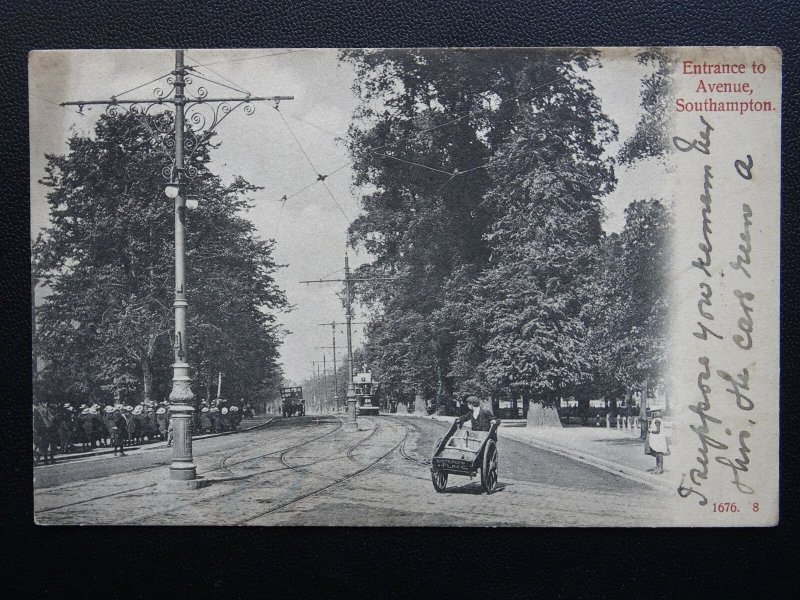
{"x": 481, "y": 423}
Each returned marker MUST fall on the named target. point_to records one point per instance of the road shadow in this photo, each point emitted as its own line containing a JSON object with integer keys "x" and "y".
{"x": 473, "y": 488}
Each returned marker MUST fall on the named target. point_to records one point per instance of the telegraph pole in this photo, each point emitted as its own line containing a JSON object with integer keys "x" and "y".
{"x": 351, "y": 424}
{"x": 335, "y": 367}
{"x": 333, "y": 325}
{"x": 323, "y": 380}
{"x": 335, "y": 390}
{"x": 182, "y": 470}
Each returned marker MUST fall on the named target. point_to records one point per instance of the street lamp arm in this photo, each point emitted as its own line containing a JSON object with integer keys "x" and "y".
{"x": 189, "y": 100}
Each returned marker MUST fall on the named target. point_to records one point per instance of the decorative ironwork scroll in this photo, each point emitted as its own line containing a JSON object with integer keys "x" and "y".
{"x": 201, "y": 116}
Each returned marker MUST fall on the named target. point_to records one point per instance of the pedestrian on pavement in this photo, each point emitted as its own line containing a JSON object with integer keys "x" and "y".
{"x": 119, "y": 432}
{"x": 656, "y": 443}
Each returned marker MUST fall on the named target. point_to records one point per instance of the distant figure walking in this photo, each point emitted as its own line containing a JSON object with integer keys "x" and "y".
{"x": 119, "y": 432}
{"x": 657, "y": 444}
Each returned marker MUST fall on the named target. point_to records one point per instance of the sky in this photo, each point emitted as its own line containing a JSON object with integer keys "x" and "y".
{"x": 310, "y": 226}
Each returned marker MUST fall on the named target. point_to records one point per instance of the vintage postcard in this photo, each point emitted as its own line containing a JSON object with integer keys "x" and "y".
{"x": 406, "y": 287}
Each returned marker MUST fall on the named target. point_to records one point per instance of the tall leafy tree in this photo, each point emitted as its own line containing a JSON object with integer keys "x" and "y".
{"x": 636, "y": 301}
{"x": 547, "y": 194}
{"x": 650, "y": 138}
{"x": 107, "y": 258}
{"x": 428, "y": 125}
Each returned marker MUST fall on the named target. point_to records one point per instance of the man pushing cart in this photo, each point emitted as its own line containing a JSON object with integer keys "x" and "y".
{"x": 465, "y": 452}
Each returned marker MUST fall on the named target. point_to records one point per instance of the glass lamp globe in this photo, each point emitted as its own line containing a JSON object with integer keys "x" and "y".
{"x": 192, "y": 204}
{"x": 172, "y": 190}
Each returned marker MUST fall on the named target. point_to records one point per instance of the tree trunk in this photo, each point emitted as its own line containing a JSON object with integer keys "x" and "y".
{"x": 543, "y": 412}
{"x": 643, "y": 408}
{"x": 147, "y": 379}
{"x": 420, "y": 408}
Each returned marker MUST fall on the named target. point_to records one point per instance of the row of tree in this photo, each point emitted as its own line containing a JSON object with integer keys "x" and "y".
{"x": 104, "y": 331}
{"x": 484, "y": 174}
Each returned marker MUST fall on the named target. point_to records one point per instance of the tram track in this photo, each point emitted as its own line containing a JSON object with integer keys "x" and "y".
{"x": 103, "y": 497}
{"x": 245, "y": 485}
{"x": 404, "y": 453}
{"x": 339, "y": 481}
{"x": 226, "y": 466}
{"x": 223, "y": 465}
{"x": 355, "y": 446}
{"x": 160, "y": 465}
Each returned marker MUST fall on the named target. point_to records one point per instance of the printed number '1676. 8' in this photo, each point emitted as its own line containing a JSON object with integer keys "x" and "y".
{"x": 731, "y": 507}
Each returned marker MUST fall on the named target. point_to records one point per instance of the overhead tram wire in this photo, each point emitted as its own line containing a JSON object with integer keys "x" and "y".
{"x": 320, "y": 177}
{"x": 332, "y": 273}
{"x": 222, "y": 62}
{"x": 335, "y": 136}
{"x": 142, "y": 85}
{"x": 54, "y": 103}
{"x": 217, "y": 73}
{"x": 243, "y": 90}
{"x": 278, "y": 222}
{"x": 235, "y": 89}
{"x": 423, "y": 131}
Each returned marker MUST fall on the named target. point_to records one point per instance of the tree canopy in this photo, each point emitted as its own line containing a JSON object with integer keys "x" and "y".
{"x": 483, "y": 175}
{"x": 107, "y": 259}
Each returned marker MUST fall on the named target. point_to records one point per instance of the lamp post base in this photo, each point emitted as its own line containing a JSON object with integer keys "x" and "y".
{"x": 181, "y": 471}
{"x": 182, "y": 467}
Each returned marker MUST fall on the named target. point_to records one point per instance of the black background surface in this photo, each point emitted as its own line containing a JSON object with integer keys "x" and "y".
{"x": 384, "y": 563}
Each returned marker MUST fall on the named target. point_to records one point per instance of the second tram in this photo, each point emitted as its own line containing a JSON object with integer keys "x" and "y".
{"x": 367, "y": 393}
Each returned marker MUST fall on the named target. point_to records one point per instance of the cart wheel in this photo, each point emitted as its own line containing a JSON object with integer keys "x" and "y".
{"x": 489, "y": 469}
{"x": 439, "y": 479}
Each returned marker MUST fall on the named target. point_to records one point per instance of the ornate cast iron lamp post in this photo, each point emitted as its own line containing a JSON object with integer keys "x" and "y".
{"x": 196, "y": 117}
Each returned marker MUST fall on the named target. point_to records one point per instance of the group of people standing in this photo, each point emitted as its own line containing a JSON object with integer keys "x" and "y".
{"x": 58, "y": 426}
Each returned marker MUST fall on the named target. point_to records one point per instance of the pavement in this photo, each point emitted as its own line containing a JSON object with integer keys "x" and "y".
{"x": 618, "y": 451}
{"x": 244, "y": 425}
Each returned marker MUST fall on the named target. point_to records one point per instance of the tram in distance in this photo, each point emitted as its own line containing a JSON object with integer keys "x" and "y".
{"x": 292, "y": 402}
{"x": 367, "y": 393}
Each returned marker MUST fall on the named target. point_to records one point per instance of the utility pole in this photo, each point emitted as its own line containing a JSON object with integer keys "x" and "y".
{"x": 182, "y": 470}
{"x": 335, "y": 390}
{"x": 315, "y": 377}
{"x": 351, "y": 424}
{"x": 333, "y": 325}
{"x": 335, "y": 366}
{"x": 323, "y": 380}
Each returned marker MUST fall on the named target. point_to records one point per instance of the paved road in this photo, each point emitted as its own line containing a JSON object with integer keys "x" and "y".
{"x": 310, "y": 471}
{"x": 92, "y": 467}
